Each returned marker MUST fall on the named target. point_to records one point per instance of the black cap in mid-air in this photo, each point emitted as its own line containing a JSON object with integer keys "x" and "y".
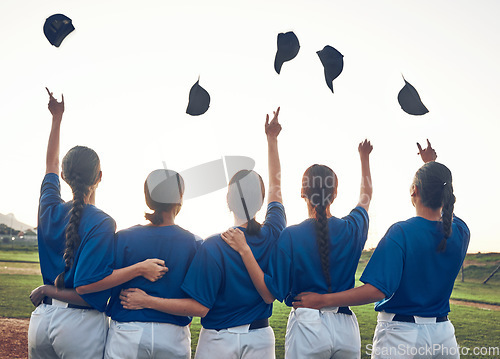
{"x": 288, "y": 48}
{"x": 56, "y": 28}
{"x": 333, "y": 62}
{"x": 199, "y": 100}
{"x": 410, "y": 101}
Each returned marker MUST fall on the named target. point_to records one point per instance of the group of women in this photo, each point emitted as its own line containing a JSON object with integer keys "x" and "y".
{"x": 151, "y": 279}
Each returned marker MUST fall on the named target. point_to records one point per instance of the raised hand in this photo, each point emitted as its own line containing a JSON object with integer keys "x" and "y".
{"x": 428, "y": 154}
{"x": 153, "y": 269}
{"x": 365, "y": 148}
{"x": 56, "y": 108}
{"x": 133, "y": 298}
{"x": 37, "y": 295}
{"x": 273, "y": 128}
{"x": 236, "y": 239}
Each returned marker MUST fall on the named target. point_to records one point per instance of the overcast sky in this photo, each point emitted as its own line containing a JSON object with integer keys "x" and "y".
{"x": 127, "y": 69}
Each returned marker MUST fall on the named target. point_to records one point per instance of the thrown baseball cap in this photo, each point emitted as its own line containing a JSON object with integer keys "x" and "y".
{"x": 56, "y": 28}
{"x": 288, "y": 48}
{"x": 333, "y": 63}
{"x": 199, "y": 100}
{"x": 165, "y": 186}
{"x": 410, "y": 101}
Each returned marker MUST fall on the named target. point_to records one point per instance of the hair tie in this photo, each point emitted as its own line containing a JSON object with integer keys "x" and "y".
{"x": 444, "y": 184}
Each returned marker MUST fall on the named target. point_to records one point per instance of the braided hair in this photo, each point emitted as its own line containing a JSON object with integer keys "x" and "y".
{"x": 245, "y": 197}
{"x": 434, "y": 182}
{"x": 81, "y": 170}
{"x": 318, "y": 186}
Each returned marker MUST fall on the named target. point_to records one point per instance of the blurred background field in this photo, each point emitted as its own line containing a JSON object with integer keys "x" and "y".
{"x": 475, "y": 315}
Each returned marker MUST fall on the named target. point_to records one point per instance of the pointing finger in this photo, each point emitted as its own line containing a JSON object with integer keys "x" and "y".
{"x": 428, "y": 144}
{"x": 419, "y": 148}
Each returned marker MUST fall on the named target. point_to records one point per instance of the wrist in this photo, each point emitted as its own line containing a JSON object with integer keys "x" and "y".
{"x": 272, "y": 139}
{"x": 245, "y": 250}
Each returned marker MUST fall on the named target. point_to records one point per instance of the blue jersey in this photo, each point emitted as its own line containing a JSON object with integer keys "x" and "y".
{"x": 406, "y": 266}
{"x": 175, "y": 246}
{"x": 219, "y": 280}
{"x": 295, "y": 264}
{"x": 93, "y": 259}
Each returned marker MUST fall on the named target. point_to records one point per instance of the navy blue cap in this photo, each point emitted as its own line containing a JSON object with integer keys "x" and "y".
{"x": 333, "y": 62}
{"x": 288, "y": 48}
{"x": 199, "y": 100}
{"x": 410, "y": 101}
{"x": 56, "y": 28}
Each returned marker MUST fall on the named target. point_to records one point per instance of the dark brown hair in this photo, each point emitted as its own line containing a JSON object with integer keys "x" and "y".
{"x": 318, "y": 186}
{"x": 81, "y": 169}
{"x": 234, "y": 199}
{"x": 156, "y": 218}
{"x": 434, "y": 182}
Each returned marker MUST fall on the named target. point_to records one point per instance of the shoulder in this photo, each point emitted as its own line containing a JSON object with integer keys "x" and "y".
{"x": 98, "y": 219}
{"x": 51, "y": 178}
{"x": 461, "y": 224}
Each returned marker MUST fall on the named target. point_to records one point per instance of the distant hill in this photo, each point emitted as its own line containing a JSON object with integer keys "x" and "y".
{"x": 11, "y": 221}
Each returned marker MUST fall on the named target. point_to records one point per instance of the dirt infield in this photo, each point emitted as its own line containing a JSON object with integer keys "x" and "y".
{"x": 13, "y": 338}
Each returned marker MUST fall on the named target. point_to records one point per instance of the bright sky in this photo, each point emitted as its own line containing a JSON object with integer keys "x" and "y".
{"x": 127, "y": 69}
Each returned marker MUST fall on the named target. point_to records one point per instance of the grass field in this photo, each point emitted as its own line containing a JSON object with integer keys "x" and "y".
{"x": 474, "y": 327}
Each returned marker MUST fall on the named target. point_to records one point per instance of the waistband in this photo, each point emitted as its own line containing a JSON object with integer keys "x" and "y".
{"x": 338, "y": 310}
{"x": 390, "y": 317}
{"x": 59, "y": 303}
{"x": 256, "y": 324}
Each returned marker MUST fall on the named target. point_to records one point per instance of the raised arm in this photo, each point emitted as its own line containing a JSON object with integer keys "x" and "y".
{"x": 428, "y": 154}
{"x": 134, "y": 299}
{"x": 57, "y": 110}
{"x": 355, "y": 296}
{"x": 151, "y": 269}
{"x": 236, "y": 239}
{"x": 366, "y": 188}
{"x": 273, "y": 129}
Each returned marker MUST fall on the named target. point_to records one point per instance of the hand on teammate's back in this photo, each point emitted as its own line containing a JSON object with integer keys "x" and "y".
{"x": 153, "y": 269}
{"x": 428, "y": 154}
{"x": 37, "y": 295}
{"x": 236, "y": 239}
{"x": 56, "y": 108}
{"x": 133, "y": 298}
{"x": 273, "y": 128}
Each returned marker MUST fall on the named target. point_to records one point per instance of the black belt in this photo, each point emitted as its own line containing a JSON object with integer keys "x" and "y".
{"x": 256, "y": 324}
{"x": 411, "y": 318}
{"x": 344, "y": 310}
{"x": 48, "y": 300}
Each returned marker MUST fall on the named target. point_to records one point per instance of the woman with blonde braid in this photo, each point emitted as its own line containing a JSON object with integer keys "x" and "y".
{"x": 321, "y": 255}
{"x": 75, "y": 243}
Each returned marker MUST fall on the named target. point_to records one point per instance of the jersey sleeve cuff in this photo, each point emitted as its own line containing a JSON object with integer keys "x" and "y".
{"x": 93, "y": 279}
{"x": 377, "y": 285}
{"x": 193, "y": 296}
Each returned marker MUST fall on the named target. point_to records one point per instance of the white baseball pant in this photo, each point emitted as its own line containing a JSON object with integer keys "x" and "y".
{"x": 424, "y": 339}
{"x": 66, "y": 333}
{"x": 236, "y": 343}
{"x": 147, "y": 340}
{"x": 322, "y": 334}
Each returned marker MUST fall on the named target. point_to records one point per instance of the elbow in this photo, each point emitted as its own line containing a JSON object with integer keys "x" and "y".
{"x": 269, "y": 299}
{"x": 83, "y": 289}
{"x": 202, "y": 312}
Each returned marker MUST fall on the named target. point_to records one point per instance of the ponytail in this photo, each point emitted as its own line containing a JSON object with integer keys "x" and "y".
{"x": 434, "y": 181}
{"x": 156, "y": 218}
{"x": 253, "y": 227}
{"x": 447, "y": 214}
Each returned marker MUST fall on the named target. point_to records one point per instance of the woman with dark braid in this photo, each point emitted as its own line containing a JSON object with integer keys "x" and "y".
{"x": 412, "y": 272}
{"x": 318, "y": 255}
{"x": 75, "y": 243}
